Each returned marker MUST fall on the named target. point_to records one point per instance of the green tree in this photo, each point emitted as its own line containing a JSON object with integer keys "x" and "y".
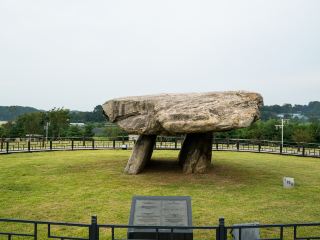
{"x": 302, "y": 135}
{"x": 88, "y": 130}
{"x": 2, "y": 132}
{"x": 315, "y": 129}
{"x": 31, "y": 123}
{"x": 98, "y": 115}
{"x": 13, "y": 130}
{"x": 74, "y": 131}
{"x": 59, "y": 122}
{"x": 114, "y": 131}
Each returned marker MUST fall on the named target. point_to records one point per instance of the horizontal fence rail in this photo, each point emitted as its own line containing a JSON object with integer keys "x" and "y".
{"x": 165, "y": 143}
{"x": 94, "y": 231}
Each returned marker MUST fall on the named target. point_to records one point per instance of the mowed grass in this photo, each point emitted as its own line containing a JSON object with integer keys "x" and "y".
{"x": 242, "y": 187}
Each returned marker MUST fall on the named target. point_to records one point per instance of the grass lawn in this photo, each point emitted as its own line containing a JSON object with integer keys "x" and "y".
{"x": 242, "y": 187}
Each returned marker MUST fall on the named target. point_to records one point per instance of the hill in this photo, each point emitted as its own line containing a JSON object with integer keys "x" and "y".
{"x": 9, "y": 113}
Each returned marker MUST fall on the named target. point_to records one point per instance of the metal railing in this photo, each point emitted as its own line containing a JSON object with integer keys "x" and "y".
{"x": 95, "y": 231}
{"x": 165, "y": 143}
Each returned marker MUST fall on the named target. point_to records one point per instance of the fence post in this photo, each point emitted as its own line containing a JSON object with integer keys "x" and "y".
{"x": 83, "y": 142}
{"x": 280, "y": 148}
{"x": 114, "y": 144}
{"x": 50, "y": 144}
{"x": 175, "y": 143}
{"x": 7, "y": 146}
{"x": 72, "y": 144}
{"x": 238, "y": 145}
{"x": 221, "y": 232}
{"x": 1, "y": 144}
{"x": 29, "y": 146}
{"x": 94, "y": 229}
{"x": 303, "y": 150}
{"x": 92, "y": 143}
{"x": 259, "y": 146}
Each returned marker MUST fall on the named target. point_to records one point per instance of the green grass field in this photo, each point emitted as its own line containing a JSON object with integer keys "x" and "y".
{"x": 242, "y": 187}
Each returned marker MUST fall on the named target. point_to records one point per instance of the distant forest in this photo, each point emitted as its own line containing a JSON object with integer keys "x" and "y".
{"x": 309, "y": 111}
{"x": 11, "y": 113}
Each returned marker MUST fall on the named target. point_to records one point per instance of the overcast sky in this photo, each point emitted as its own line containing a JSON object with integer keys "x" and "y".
{"x": 78, "y": 54}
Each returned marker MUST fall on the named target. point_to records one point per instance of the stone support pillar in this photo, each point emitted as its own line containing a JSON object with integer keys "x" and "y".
{"x": 196, "y": 152}
{"x": 141, "y": 154}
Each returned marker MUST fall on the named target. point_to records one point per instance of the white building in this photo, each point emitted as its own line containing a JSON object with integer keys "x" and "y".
{"x": 78, "y": 124}
{"x": 3, "y": 122}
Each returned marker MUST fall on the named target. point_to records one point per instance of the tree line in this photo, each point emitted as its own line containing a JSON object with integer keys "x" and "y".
{"x": 58, "y": 122}
{"x": 310, "y": 111}
{"x": 294, "y": 131}
{"x": 11, "y": 113}
{"x": 54, "y": 123}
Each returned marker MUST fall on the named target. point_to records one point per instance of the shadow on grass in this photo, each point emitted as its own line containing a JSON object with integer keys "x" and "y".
{"x": 163, "y": 165}
{"x": 219, "y": 172}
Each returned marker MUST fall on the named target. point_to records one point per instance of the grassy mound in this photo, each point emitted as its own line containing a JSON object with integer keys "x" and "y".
{"x": 242, "y": 187}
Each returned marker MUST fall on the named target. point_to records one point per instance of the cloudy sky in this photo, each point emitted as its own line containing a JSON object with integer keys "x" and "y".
{"x": 78, "y": 54}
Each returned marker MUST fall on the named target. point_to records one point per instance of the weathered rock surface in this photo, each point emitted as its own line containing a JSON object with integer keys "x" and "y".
{"x": 141, "y": 154}
{"x": 173, "y": 114}
{"x": 197, "y": 115}
{"x": 196, "y": 152}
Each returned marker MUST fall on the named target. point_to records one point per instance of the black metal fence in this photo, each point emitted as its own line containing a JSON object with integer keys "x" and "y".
{"x": 95, "y": 231}
{"x": 166, "y": 143}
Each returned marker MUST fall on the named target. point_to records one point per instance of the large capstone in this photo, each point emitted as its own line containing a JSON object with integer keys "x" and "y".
{"x": 171, "y": 114}
{"x": 177, "y": 114}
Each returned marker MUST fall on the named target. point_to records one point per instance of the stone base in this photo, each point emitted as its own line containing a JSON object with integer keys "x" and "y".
{"x": 141, "y": 154}
{"x": 196, "y": 152}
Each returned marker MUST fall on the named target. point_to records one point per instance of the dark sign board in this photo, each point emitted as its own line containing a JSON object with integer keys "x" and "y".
{"x": 160, "y": 211}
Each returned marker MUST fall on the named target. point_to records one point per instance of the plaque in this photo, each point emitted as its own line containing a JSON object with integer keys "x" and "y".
{"x": 160, "y": 211}
{"x": 288, "y": 182}
{"x": 246, "y": 233}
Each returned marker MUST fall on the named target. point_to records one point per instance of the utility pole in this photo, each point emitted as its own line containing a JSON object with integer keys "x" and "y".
{"x": 47, "y": 130}
{"x": 283, "y": 122}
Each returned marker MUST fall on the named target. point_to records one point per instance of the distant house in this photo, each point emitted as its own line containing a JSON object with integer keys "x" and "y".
{"x": 292, "y": 115}
{"x": 299, "y": 116}
{"x": 34, "y": 137}
{"x": 3, "y": 122}
{"x": 78, "y": 124}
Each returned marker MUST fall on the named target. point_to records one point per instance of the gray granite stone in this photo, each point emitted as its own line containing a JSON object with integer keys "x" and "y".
{"x": 197, "y": 115}
{"x": 172, "y": 114}
{"x": 196, "y": 152}
{"x": 160, "y": 211}
{"x": 141, "y": 154}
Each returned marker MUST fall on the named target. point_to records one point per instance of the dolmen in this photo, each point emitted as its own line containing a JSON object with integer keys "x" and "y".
{"x": 195, "y": 115}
